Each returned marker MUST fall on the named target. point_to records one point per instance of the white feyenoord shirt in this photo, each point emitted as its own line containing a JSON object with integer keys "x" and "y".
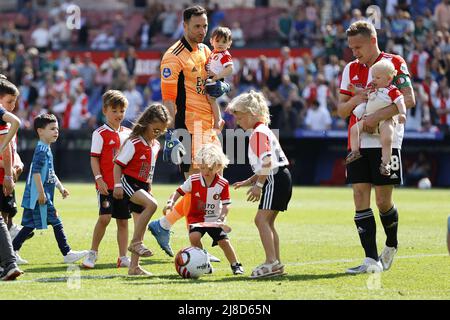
{"x": 263, "y": 143}
{"x": 218, "y": 60}
{"x": 206, "y": 202}
{"x": 360, "y": 75}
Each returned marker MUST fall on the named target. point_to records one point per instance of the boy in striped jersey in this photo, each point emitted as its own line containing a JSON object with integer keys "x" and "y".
{"x": 106, "y": 142}
{"x": 210, "y": 200}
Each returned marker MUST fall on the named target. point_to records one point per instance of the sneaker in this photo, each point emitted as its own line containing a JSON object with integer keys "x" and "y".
{"x": 123, "y": 262}
{"x": 162, "y": 236}
{"x": 73, "y": 256}
{"x": 213, "y": 258}
{"x": 387, "y": 257}
{"x": 19, "y": 260}
{"x": 237, "y": 268}
{"x": 12, "y": 274}
{"x": 369, "y": 266}
{"x": 89, "y": 261}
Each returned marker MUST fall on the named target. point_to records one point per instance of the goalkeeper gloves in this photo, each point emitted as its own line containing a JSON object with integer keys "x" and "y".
{"x": 173, "y": 149}
{"x": 218, "y": 88}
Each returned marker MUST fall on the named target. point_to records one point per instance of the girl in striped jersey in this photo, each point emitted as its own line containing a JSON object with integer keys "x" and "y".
{"x": 209, "y": 202}
{"x": 133, "y": 174}
{"x": 271, "y": 184}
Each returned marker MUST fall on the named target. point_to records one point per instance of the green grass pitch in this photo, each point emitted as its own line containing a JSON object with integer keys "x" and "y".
{"x": 318, "y": 242}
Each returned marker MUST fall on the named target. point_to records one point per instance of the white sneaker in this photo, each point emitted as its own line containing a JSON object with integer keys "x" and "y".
{"x": 213, "y": 258}
{"x": 14, "y": 231}
{"x": 89, "y": 261}
{"x": 19, "y": 260}
{"x": 123, "y": 262}
{"x": 73, "y": 256}
{"x": 387, "y": 257}
{"x": 369, "y": 265}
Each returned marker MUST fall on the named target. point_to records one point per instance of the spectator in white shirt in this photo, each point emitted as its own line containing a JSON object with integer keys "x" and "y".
{"x": 135, "y": 101}
{"x": 41, "y": 37}
{"x": 317, "y": 118}
{"x": 238, "y": 35}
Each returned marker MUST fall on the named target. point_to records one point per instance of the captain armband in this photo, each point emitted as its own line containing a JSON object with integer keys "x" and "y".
{"x": 402, "y": 81}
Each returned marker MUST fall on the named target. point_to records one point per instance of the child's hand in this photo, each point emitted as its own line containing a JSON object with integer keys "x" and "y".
{"x": 42, "y": 199}
{"x": 244, "y": 183}
{"x": 17, "y": 171}
{"x": 64, "y": 192}
{"x": 118, "y": 193}
{"x": 401, "y": 118}
{"x": 219, "y": 126}
{"x": 212, "y": 76}
{"x": 254, "y": 194}
{"x": 102, "y": 186}
{"x": 8, "y": 185}
{"x": 167, "y": 208}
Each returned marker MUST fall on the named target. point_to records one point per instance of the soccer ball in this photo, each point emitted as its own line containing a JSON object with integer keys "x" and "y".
{"x": 424, "y": 183}
{"x": 192, "y": 262}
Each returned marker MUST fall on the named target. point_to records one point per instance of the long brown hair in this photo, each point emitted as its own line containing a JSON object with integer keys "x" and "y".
{"x": 153, "y": 113}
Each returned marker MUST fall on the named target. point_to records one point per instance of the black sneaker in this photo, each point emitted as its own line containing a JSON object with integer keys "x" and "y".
{"x": 237, "y": 268}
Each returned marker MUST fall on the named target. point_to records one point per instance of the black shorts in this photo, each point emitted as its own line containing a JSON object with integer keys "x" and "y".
{"x": 130, "y": 186}
{"x": 277, "y": 191}
{"x": 216, "y": 234}
{"x": 184, "y": 167}
{"x": 367, "y": 168}
{"x": 117, "y": 208}
{"x": 8, "y": 203}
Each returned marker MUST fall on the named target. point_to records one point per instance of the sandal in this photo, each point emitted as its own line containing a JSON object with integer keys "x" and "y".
{"x": 352, "y": 156}
{"x": 138, "y": 271}
{"x": 139, "y": 249}
{"x": 268, "y": 270}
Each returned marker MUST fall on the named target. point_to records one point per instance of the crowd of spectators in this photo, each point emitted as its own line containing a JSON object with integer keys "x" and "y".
{"x": 302, "y": 90}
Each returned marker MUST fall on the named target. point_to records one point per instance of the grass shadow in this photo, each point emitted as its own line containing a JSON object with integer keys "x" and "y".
{"x": 176, "y": 279}
{"x": 65, "y": 279}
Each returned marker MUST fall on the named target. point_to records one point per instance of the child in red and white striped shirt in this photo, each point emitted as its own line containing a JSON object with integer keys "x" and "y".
{"x": 133, "y": 174}
{"x": 209, "y": 204}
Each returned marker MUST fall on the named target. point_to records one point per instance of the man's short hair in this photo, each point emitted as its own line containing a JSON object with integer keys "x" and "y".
{"x": 362, "y": 27}
{"x": 42, "y": 120}
{"x": 193, "y": 11}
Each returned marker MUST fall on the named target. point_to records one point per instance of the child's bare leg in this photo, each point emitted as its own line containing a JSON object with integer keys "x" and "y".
{"x": 122, "y": 236}
{"x": 218, "y": 122}
{"x": 386, "y": 137}
{"x": 262, "y": 221}
{"x": 355, "y": 133}
{"x": 99, "y": 231}
{"x": 196, "y": 239}
{"x": 228, "y": 250}
{"x": 276, "y": 239}
{"x": 149, "y": 203}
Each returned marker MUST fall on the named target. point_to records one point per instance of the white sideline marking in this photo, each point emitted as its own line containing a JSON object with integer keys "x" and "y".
{"x": 351, "y": 260}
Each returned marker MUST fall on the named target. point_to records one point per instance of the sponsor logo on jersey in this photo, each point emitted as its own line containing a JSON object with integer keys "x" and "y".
{"x": 166, "y": 73}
